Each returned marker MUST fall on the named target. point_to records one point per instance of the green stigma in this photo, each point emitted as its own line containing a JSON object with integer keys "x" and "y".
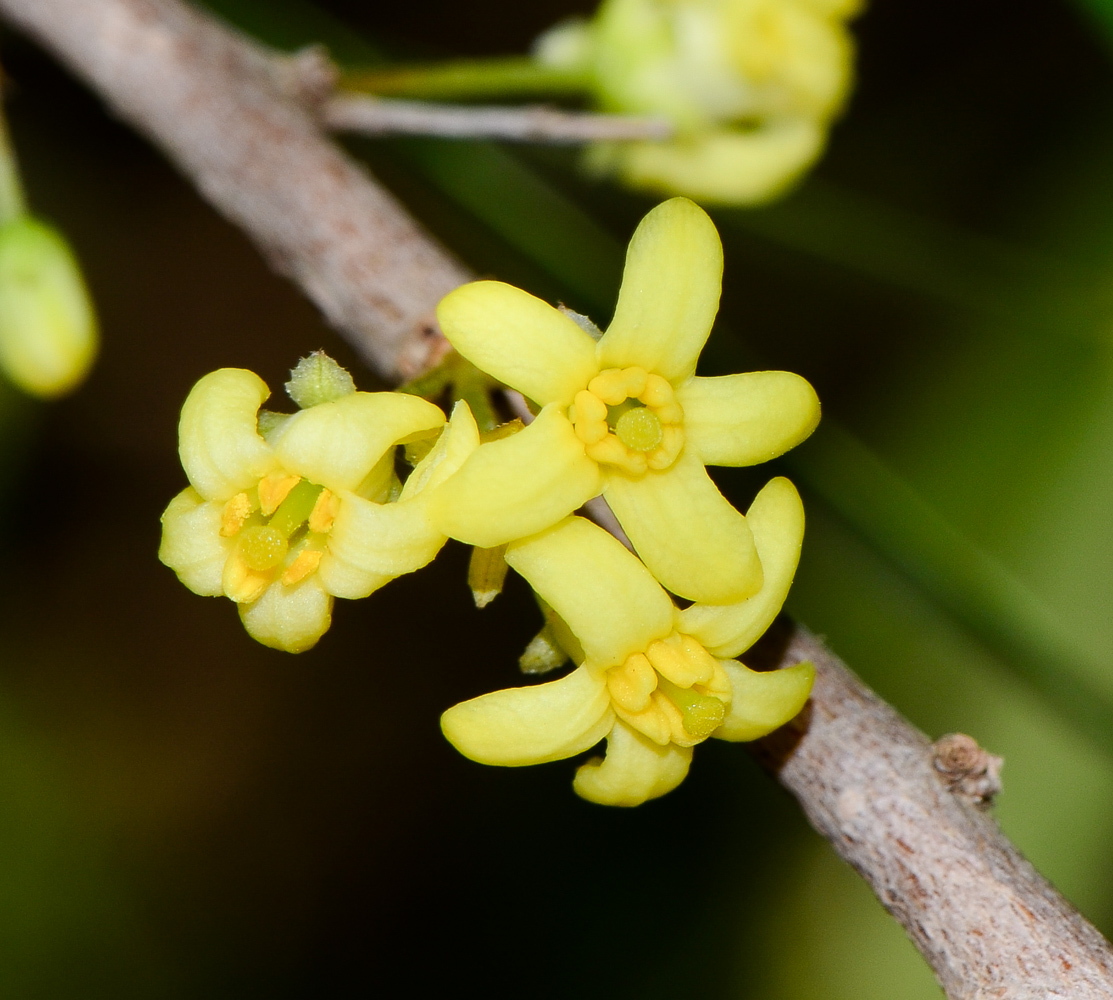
{"x": 263, "y": 548}
{"x": 702, "y": 713}
{"x": 639, "y": 429}
{"x": 294, "y": 511}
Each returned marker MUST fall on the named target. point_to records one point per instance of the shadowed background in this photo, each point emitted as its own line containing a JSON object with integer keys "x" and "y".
{"x": 185, "y": 813}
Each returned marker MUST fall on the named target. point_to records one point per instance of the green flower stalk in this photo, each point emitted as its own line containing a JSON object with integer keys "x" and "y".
{"x": 750, "y": 86}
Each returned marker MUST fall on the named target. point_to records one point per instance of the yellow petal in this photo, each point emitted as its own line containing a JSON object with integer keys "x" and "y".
{"x": 670, "y": 293}
{"x": 459, "y": 440}
{"x": 531, "y": 725}
{"x": 289, "y": 618}
{"x": 192, "y": 545}
{"x": 762, "y": 702}
{"x": 725, "y": 166}
{"x": 337, "y": 444}
{"x": 633, "y": 771}
{"x": 693, "y": 541}
{"x": 518, "y": 339}
{"x": 218, "y": 440}
{"x": 518, "y": 485}
{"x": 776, "y": 518}
{"x": 370, "y": 544}
{"x": 747, "y": 419}
{"x": 605, "y": 595}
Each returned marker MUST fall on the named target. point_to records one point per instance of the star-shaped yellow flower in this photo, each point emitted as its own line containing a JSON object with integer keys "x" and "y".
{"x": 284, "y": 522}
{"x": 654, "y": 680}
{"x": 625, "y": 415}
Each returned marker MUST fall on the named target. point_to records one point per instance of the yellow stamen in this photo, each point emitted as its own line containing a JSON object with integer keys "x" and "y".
{"x": 241, "y": 583}
{"x": 657, "y": 391}
{"x": 323, "y": 515}
{"x": 306, "y": 562}
{"x": 609, "y": 450}
{"x": 682, "y": 660}
{"x": 236, "y": 511}
{"x": 273, "y": 489}
{"x": 589, "y": 406}
{"x": 609, "y": 386}
{"x": 675, "y": 719}
{"x": 590, "y": 417}
{"x": 669, "y": 413}
{"x": 632, "y": 683}
{"x": 653, "y": 721}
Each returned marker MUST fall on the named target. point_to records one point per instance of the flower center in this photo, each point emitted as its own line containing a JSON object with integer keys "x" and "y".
{"x": 674, "y": 692}
{"x": 639, "y": 428}
{"x": 280, "y": 528}
{"x": 629, "y": 418}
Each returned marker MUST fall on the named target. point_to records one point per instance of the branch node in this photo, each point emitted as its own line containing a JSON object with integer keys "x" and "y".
{"x": 967, "y": 769}
{"x": 308, "y": 76}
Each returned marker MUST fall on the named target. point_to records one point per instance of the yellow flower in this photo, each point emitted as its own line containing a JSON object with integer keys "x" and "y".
{"x": 625, "y": 416}
{"x": 48, "y": 332}
{"x": 654, "y": 680}
{"x": 283, "y": 521}
{"x": 750, "y": 85}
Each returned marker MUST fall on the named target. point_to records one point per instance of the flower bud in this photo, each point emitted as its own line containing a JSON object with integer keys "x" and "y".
{"x": 749, "y": 85}
{"x": 48, "y": 332}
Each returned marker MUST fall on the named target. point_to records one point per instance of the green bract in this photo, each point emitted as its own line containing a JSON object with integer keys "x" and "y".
{"x": 283, "y": 524}
{"x": 650, "y": 470}
{"x": 653, "y": 680}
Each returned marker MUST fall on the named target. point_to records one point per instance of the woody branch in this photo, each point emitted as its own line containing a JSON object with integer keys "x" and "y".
{"x": 245, "y": 125}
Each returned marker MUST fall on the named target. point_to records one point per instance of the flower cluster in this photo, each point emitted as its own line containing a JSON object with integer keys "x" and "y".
{"x": 286, "y": 512}
{"x": 751, "y": 86}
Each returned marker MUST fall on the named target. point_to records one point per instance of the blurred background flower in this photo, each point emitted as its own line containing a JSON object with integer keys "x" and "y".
{"x": 186, "y": 813}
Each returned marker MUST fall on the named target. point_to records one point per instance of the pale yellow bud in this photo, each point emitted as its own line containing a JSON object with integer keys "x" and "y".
{"x": 48, "y": 332}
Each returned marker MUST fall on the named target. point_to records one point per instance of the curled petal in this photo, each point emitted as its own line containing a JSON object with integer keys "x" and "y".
{"x": 459, "y": 440}
{"x": 191, "y": 542}
{"x": 686, "y": 532}
{"x": 669, "y": 295}
{"x": 519, "y": 339}
{"x": 603, "y": 593}
{"x": 762, "y": 702}
{"x": 218, "y": 439}
{"x": 776, "y": 518}
{"x": 633, "y": 771}
{"x": 531, "y": 725}
{"x": 518, "y": 485}
{"x": 337, "y": 444}
{"x": 289, "y": 618}
{"x": 747, "y": 419}
{"x": 370, "y": 544}
{"x": 726, "y": 165}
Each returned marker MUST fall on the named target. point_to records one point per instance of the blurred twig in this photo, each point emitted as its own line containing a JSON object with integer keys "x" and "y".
{"x": 378, "y": 116}
{"x": 236, "y": 119}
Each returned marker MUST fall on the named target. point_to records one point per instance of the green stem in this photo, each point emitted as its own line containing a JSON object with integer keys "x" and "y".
{"x": 12, "y": 202}
{"x": 503, "y": 77}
